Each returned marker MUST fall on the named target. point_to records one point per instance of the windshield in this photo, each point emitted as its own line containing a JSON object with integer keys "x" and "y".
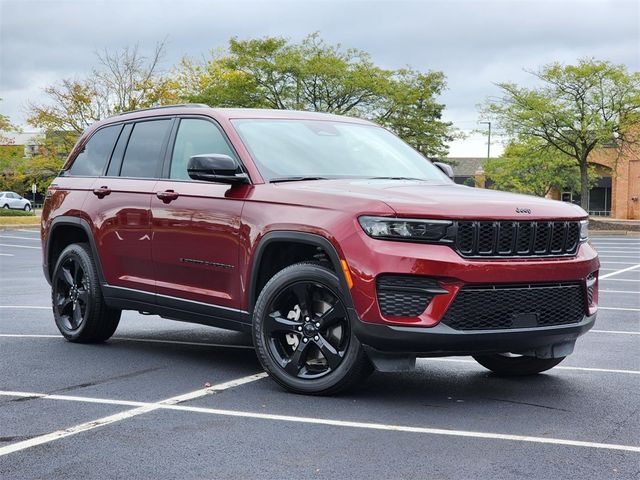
{"x": 298, "y": 149}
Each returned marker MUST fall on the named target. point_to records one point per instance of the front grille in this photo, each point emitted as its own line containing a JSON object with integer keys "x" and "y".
{"x": 517, "y": 239}
{"x": 516, "y": 306}
{"x": 405, "y": 295}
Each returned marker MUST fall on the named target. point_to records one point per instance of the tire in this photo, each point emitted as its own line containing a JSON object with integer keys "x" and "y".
{"x": 510, "y": 366}
{"x": 315, "y": 353}
{"x": 75, "y": 277}
{"x": 6, "y": 206}
{"x": 27, "y": 207}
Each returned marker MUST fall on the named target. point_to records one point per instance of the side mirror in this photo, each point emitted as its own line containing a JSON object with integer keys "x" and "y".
{"x": 214, "y": 167}
{"x": 446, "y": 169}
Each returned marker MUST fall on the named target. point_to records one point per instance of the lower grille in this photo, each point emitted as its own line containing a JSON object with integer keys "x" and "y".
{"x": 405, "y": 295}
{"x": 517, "y": 306}
{"x": 591, "y": 285}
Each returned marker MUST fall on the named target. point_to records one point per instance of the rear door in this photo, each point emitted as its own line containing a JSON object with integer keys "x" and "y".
{"x": 196, "y": 225}
{"x": 121, "y": 201}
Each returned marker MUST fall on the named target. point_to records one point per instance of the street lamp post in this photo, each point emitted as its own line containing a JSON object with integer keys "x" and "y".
{"x": 488, "y": 141}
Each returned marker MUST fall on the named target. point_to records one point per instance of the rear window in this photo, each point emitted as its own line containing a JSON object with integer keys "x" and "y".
{"x": 143, "y": 157}
{"x": 94, "y": 156}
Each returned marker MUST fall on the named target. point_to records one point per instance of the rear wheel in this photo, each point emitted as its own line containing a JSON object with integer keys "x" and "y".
{"x": 302, "y": 332}
{"x": 6, "y": 206}
{"x": 79, "y": 309}
{"x": 27, "y": 207}
{"x": 516, "y": 365}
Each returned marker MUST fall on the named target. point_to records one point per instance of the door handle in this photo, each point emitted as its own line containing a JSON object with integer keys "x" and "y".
{"x": 167, "y": 196}
{"x": 102, "y": 191}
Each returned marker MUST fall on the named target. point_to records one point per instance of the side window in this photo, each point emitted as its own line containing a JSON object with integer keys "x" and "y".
{"x": 94, "y": 156}
{"x": 143, "y": 156}
{"x": 196, "y": 137}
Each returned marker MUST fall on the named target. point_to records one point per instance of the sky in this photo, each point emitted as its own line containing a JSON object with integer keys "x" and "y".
{"x": 475, "y": 43}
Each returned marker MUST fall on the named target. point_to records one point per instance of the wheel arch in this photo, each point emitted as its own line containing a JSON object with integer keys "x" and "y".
{"x": 64, "y": 231}
{"x": 299, "y": 238}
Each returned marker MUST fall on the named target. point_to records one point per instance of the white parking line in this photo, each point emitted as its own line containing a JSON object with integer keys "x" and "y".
{"x": 602, "y": 277}
{"x": 143, "y": 408}
{"x": 621, "y": 279}
{"x": 619, "y": 308}
{"x": 131, "y": 339}
{"x": 619, "y": 291}
{"x": 620, "y": 332}
{"x": 580, "y": 369}
{"x": 28, "y": 231}
{"x": 18, "y": 307}
{"x": 17, "y": 246}
{"x": 6, "y": 255}
{"x": 35, "y": 239}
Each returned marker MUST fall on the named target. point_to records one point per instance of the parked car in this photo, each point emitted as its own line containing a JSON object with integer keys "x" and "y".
{"x": 338, "y": 246}
{"x": 13, "y": 200}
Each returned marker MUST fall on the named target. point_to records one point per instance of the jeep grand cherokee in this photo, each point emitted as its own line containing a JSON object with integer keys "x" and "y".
{"x": 335, "y": 243}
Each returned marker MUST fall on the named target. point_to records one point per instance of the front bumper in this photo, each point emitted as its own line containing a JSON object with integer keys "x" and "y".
{"x": 442, "y": 340}
{"x": 370, "y": 258}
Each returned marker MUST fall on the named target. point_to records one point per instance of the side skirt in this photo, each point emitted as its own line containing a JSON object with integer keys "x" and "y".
{"x": 177, "y": 309}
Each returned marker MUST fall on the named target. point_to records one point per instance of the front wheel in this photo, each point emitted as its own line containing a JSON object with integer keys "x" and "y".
{"x": 27, "y": 208}
{"x": 302, "y": 332}
{"x": 516, "y": 365}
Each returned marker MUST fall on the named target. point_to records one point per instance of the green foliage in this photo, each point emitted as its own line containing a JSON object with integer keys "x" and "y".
{"x": 470, "y": 182}
{"x": 316, "y": 76}
{"x": 577, "y": 108}
{"x": 9, "y": 212}
{"x": 534, "y": 169}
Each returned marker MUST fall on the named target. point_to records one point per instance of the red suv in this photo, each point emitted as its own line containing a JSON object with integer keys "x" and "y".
{"x": 335, "y": 243}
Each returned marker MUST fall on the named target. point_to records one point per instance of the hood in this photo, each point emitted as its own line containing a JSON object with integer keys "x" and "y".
{"x": 412, "y": 198}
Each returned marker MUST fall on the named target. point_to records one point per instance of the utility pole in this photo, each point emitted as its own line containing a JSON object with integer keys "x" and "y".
{"x": 488, "y": 141}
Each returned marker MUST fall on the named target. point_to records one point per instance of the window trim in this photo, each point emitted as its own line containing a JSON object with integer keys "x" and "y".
{"x": 67, "y": 171}
{"x": 163, "y": 151}
{"x": 166, "y": 170}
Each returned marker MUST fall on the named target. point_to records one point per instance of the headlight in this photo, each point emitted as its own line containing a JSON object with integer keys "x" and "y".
{"x": 584, "y": 230}
{"x": 405, "y": 228}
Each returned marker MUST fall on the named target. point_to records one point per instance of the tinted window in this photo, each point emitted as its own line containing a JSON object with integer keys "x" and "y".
{"x": 96, "y": 152}
{"x": 144, "y": 150}
{"x": 196, "y": 137}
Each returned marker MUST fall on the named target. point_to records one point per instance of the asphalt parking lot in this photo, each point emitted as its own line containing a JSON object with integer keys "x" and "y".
{"x": 137, "y": 406}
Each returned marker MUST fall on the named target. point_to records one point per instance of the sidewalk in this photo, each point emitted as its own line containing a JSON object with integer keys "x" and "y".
{"x": 613, "y": 226}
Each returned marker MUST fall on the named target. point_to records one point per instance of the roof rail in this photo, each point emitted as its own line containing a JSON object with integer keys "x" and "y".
{"x": 180, "y": 105}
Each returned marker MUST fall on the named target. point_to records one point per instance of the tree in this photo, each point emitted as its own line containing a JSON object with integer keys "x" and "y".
{"x": 576, "y": 109}
{"x": 533, "y": 168}
{"x": 124, "y": 80}
{"x": 316, "y": 76}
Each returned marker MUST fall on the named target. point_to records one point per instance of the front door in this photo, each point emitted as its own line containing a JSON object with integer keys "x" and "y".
{"x": 196, "y": 225}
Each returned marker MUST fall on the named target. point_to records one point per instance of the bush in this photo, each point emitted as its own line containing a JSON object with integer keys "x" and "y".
{"x": 8, "y": 212}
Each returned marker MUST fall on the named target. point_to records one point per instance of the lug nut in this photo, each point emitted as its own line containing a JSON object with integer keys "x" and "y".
{"x": 306, "y": 318}
{"x": 299, "y": 329}
{"x": 318, "y": 324}
{"x": 316, "y": 337}
{"x": 305, "y": 339}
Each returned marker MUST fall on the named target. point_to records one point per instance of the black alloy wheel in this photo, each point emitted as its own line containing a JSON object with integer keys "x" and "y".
{"x": 307, "y": 330}
{"x": 303, "y": 335}
{"x": 70, "y": 295}
{"x": 79, "y": 308}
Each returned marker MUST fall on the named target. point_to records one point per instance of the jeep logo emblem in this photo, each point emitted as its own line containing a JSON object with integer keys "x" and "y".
{"x": 523, "y": 210}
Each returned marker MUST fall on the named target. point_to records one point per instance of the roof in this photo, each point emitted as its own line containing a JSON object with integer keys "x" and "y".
{"x": 466, "y": 166}
{"x": 231, "y": 113}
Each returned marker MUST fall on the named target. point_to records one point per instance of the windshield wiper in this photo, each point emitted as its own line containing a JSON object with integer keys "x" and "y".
{"x": 295, "y": 179}
{"x": 396, "y": 178}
